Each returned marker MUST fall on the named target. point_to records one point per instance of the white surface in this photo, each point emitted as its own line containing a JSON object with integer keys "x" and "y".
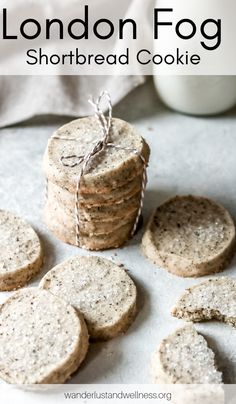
{"x": 189, "y": 155}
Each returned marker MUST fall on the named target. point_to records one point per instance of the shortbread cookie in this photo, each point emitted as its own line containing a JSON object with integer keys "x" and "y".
{"x": 185, "y": 358}
{"x": 116, "y": 195}
{"x": 43, "y": 340}
{"x": 87, "y": 242}
{"x": 92, "y": 228}
{"x": 20, "y": 252}
{"x": 96, "y": 243}
{"x": 214, "y": 299}
{"x": 102, "y": 212}
{"x": 100, "y": 289}
{"x": 190, "y": 236}
{"x": 111, "y": 168}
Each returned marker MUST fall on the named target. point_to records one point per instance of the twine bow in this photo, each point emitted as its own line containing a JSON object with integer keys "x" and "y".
{"x": 105, "y": 124}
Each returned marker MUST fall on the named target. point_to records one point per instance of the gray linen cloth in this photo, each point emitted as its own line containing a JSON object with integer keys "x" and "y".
{"x": 23, "y": 97}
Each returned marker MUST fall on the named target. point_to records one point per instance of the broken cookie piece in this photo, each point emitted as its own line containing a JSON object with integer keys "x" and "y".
{"x": 214, "y": 299}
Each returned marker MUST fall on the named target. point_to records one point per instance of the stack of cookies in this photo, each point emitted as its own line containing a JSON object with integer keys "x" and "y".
{"x": 99, "y": 209}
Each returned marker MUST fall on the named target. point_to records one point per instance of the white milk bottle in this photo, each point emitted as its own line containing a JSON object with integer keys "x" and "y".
{"x": 191, "y": 94}
{"x": 197, "y": 95}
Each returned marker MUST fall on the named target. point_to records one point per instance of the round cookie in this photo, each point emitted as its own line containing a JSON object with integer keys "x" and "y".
{"x": 94, "y": 243}
{"x": 101, "y": 290}
{"x": 111, "y": 168}
{"x": 214, "y": 299}
{"x": 116, "y": 195}
{"x": 190, "y": 236}
{"x": 43, "y": 340}
{"x": 93, "y": 228}
{"x": 185, "y": 358}
{"x": 101, "y": 212}
{"x": 20, "y": 252}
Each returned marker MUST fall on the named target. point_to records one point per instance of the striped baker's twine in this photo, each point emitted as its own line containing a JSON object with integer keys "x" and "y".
{"x": 144, "y": 182}
{"x": 105, "y": 124}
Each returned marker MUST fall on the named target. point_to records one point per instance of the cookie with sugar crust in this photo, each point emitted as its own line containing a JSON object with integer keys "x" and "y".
{"x": 101, "y": 290}
{"x": 43, "y": 340}
{"x": 21, "y": 255}
{"x": 190, "y": 236}
{"x": 185, "y": 358}
{"x": 109, "y": 169}
{"x": 214, "y": 299}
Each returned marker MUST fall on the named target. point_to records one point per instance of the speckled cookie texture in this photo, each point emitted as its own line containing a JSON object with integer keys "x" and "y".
{"x": 88, "y": 217}
{"x": 110, "y": 169}
{"x": 101, "y": 290}
{"x": 93, "y": 228}
{"x": 92, "y": 242}
{"x": 214, "y": 299}
{"x": 21, "y": 254}
{"x": 185, "y": 358}
{"x": 110, "y": 191}
{"x": 43, "y": 340}
{"x": 99, "y": 213}
{"x": 116, "y": 195}
{"x": 190, "y": 236}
